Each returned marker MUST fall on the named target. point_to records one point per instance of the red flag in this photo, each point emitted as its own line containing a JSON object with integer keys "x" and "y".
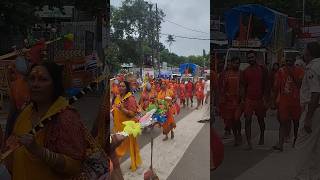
{"x": 68, "y": 41}
{"x": 35, "y": 52}
{"x": 217, "y": 149}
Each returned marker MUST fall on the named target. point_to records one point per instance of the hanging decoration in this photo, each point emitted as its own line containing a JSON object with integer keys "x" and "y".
{"x": 68, "y": 41}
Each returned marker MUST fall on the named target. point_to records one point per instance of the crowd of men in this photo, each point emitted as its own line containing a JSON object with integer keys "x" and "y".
{"x": 254, "y": 91}
{"x": 290, "y": 87}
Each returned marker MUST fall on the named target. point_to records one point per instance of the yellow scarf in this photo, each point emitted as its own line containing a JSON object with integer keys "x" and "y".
{"x": 25, "y": 165}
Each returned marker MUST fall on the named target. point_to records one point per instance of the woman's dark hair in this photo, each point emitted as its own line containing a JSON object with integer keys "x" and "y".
{"x": 56, "y": 73}
{"x": 314, "y": 49}
{"x": 128, "y": 89}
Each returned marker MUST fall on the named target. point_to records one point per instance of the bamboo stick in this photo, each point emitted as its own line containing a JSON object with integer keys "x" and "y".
{"x": 24, "y": 50}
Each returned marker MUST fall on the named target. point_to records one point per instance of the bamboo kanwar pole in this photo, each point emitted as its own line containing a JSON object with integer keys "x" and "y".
{"x": 24, "y": 50}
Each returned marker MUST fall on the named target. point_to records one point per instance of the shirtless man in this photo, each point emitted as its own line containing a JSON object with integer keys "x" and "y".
{"x": 254, "y": 82}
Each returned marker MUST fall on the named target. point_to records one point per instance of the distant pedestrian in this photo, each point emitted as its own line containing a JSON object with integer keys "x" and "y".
{"x": 189, "y": 92}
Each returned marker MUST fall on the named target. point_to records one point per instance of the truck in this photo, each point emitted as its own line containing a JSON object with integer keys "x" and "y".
{"x": 269, "y": 43}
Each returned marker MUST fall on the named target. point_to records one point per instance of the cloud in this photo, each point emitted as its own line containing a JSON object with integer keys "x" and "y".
{"x": 193, "y": 14}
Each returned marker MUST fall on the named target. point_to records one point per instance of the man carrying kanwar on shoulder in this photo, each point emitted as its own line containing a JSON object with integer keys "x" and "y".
{"x": 255, "y": 84}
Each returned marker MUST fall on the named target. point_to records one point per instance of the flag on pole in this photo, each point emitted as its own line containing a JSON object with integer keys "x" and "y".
{"x": 35, "y": 51}
{"x": 68, "y": 41}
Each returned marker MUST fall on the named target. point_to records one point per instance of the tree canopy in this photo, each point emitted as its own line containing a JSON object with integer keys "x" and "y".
{"x": 134, "y": 29}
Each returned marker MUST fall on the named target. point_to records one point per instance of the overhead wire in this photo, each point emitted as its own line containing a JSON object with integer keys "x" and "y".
{"x": 179, "y": 36}
{"x": 184, "y": 27}
{"x": 185, "y": 37}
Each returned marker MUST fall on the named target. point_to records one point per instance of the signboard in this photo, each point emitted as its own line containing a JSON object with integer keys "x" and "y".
{"x": 249, "y": 43}
{"x": 148, "y": 71}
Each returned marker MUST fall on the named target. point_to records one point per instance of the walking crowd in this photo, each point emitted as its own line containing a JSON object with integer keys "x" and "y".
{"x": 292, "y": 89}
{"x": 168, "y": 95}
{"x": 45, "y": 137}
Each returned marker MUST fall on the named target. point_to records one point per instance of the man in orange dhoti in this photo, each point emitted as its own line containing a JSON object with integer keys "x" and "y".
{"x": 189, "y": 92}
{"x": 287, "y": 85}
{"x": 199, "y": 92}
{"x": 232, "y": 107}
{"x": 176, "y": 87}
{"x": 182, "y": 93}
{"x": 255, "y": 84}
{"x": 220, "y": 97}
{"x": 169, "y": 125}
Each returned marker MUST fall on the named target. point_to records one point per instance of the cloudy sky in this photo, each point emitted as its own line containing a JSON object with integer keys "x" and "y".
{"x": 191, "y": 14}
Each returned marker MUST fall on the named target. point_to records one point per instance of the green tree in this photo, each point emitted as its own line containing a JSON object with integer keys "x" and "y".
{"x": 112, "y": 55}
{"x": 170, "y": 40}
{"x": 135, "y": 21}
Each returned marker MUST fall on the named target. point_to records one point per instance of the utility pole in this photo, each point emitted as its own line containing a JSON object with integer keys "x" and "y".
{"x": 141, "y": 53}
{"x": 157, "y": 25}
{"x": 151, "y": 33}
{"x": 204, "y": 61}
{"x": 303, "y": 13}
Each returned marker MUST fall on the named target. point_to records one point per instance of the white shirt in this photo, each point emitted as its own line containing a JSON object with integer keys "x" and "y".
{"x": 311, "y": 81}
{"x": 207, "y": 86}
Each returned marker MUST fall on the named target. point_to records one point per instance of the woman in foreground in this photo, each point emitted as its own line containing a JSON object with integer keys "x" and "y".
{"x": 57, "y": 151}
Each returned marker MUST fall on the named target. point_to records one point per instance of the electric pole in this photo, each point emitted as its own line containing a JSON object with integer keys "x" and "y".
{"x": 204, "y": 61}
{"x": 303, "y": 12}
{"x": 157, "y": 26}
{"x": 151, "y": 33}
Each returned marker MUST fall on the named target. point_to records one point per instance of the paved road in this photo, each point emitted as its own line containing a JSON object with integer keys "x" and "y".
{"x": 237, "y": 160}
{"x": 186, "y": 157}
{"x": 144, "y": 139}
{"x": 195, "y": 163}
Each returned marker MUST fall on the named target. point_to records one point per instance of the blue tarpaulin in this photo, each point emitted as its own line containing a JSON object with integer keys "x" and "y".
{"x": 165, "y": 74}
{"x": 267, "y": 15}
{"x": 183, "y": 67}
